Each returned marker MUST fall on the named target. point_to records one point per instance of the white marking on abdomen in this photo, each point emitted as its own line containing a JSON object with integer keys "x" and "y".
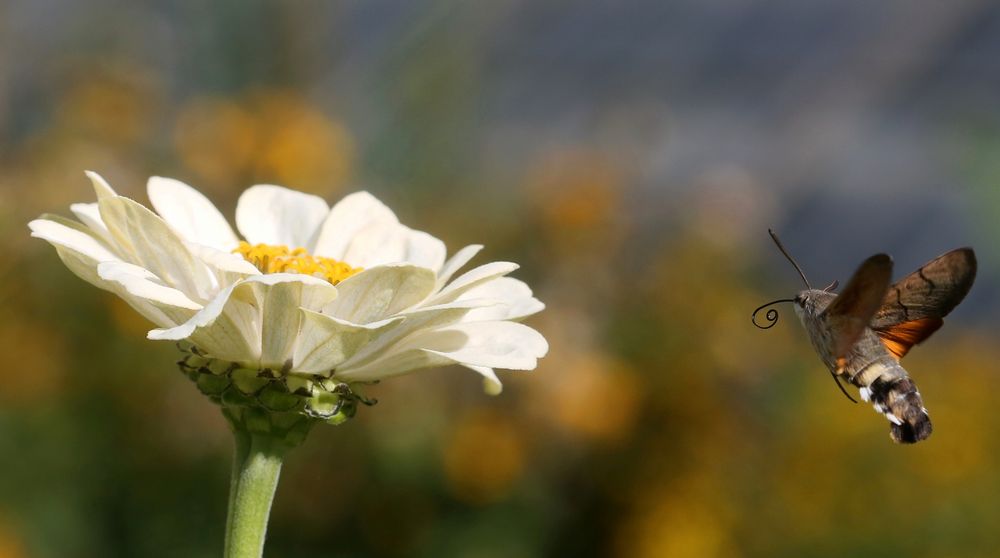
{"x": 868, "y": 374}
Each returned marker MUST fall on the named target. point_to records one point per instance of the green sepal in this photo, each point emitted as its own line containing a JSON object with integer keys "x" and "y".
{"x": 324, "y": 404}
{"x": 248, "y": 380}
{"x": 218, "y": 367}
{"x": 280, "y": 406}
{"x": 347, "y": 411}
{"x": 197, "y": 361}
{"x": 235, "y": 398}
{"x": 212, "y": 385}
{"x": 278, "y": 400}
{"x": 258, "y": 421}
{"x": 300, "y": 385}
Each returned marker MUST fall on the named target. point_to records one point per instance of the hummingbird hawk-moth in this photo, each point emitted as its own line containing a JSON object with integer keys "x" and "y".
{"x": 863, "y": 332}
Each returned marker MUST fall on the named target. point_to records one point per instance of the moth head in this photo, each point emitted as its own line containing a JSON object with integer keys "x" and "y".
{"x": 809, "y": 302}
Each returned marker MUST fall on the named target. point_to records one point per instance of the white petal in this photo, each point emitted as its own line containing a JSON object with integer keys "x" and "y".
{"x": 147, "y": 241}
{"x": 205, "y": 317}
{"x": 491, "y": 383}
{"x": 325, "y": 342}
{"x": 380, "y": 292}
{"x": 471, "y": 279}
{"x": 101, "y": 186}
{"x": 507, "y": 345}
{"x": 377, "y": 245}
{"x": 364, "y": 233}
{"x": 412, "y": 355}
{"x": 255, "y": 322}
{"x": 316, "y": 293}
{"x": 143, "y": 290}
{"x": 267, "y": 214}
{"x": 517, "y": 310}
{"x": 416, "y": 320}
{"x": 517, "y": 300}
{"x": 483, "y": 344}
{"x": 346, "y": 219}
{"x": 226, "y": 267}
{"x": 72, "y": 237}
{"x": 139, "y": 282}
{"x": 502, "y": 288}
{"x": 226, "y": 328}
{"x": 190, "y": 213}
{"x": 424, "y": 250}
{"x": 84, "y": 255}
{"x": 279, "y": 297}
{"x": 392, "y": 364}
{"x": 90, "y": 215}
{"x": 82, "y": 266}
{"x": 456, "y": 262}
{"x": 380, "y": 244}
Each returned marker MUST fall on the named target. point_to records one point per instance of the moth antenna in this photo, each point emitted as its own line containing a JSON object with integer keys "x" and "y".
{"x": 832, "y": 286}
{"x": 785, "y": 252}
{"x": 771, "y": 316}
{"x": 841, "y": 386}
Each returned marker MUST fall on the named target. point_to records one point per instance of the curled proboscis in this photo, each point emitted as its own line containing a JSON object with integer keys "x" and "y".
{"x": 771, "y": 315}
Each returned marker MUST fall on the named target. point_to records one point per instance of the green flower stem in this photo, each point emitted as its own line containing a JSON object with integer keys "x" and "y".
{"x": 256, "y": 467}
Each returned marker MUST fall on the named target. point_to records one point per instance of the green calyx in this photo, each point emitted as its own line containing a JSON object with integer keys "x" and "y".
{"x": 269, "y": 402}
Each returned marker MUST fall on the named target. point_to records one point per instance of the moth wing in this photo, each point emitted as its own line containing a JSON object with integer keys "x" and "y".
{"x": 915, "y": 305}
{"x": 851, "y": 312}
{"x": 900, "y": 338}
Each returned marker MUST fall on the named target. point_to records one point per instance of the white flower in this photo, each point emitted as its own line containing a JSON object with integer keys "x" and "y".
{"x": 346, "y": 292}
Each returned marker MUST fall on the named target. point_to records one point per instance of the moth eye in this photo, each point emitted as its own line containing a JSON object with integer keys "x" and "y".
{"x": 800, "y": 300}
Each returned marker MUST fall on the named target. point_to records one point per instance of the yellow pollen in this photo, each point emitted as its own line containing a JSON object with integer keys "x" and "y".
{"x": 279, "y": 259}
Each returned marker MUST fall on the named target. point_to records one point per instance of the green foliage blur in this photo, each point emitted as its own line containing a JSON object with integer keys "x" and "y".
{"x": 662, "y": 424}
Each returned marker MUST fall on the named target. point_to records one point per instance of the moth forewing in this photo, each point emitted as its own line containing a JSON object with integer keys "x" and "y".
{"x": 850, "y": 314}
{"x": 915, "y": 305}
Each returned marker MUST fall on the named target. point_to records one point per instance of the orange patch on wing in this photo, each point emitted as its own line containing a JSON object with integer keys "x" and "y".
{"x": 899, "y": 338}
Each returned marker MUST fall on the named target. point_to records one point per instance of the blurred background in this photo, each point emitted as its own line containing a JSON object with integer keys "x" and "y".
{"x": 631, "y": 156}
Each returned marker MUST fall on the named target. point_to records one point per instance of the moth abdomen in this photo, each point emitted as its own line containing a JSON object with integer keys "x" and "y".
{"x": 898, "y": 399}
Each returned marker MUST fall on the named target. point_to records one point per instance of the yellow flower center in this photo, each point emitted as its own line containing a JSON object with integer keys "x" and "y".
{"x": 280, "y": 259}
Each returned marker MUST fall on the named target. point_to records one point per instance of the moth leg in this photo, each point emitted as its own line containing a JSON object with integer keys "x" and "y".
{"x": 836, "y": 379}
